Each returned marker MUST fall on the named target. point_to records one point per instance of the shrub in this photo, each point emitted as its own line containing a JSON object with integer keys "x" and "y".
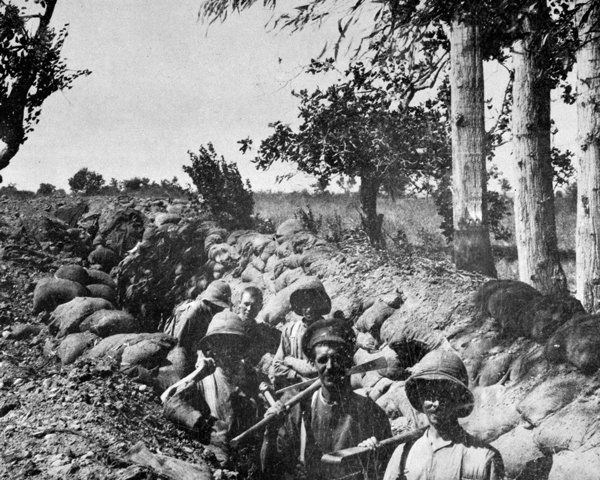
{"x": 135, "y": 183}
{"x": 221, "y": 191}
{"x": 311, "y": 222}
{"x": 46, "y": 189}
{"x": 86, "y": 181}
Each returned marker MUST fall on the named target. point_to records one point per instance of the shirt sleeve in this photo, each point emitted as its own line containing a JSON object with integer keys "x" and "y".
{"x": 278, "y": 369}
{"x": 392, "y": 472}
{"x": 496, "y": 467}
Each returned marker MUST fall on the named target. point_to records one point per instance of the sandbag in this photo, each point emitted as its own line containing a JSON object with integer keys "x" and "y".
{"x": 105, "y": 257}
{"x": 165, "y": 218}
{"x": 350, "y": 305}
{"x": 20, "y": 331}
{"x": 73, "y": 346}
{"x": 372, "y": 319}
{"x": 577, "y": 342}
{"x": 507, "y": 304}
{"x": 99, "y": 290}
{"x": 543, "y": 315}
{"x": 494, "y": 413}
{"x": 549, "y": 397}
{"x": 75, "y": 273}
{"x": 252, "y": 275}
{"x": 68, "y": 316}
{"x": 147, "y": 353}
{"x": 411, "y": 342}
{"x": 258, "y": 264}
{"x": 98, "y": 276}
{"x": 494, "y": 369}
{"x": 571, "y": 428}
{"x": 114, "y": 345}
{"x": 110, "y": 322}
{"x": 177, "y": 365}
{"x": 581, "y": 465}
{"x": 522, "y": 459}
{"x": 288, "y": 277}
{"x": 51, "y": 292}
{"x": 289, "y": 227}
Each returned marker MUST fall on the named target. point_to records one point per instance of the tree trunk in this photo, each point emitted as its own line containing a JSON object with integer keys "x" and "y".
{"x": 588, "y": 181}
{"x": 472, "y": 249}
{"x": 371, "y": 220}
{"x": 535, "y": 227}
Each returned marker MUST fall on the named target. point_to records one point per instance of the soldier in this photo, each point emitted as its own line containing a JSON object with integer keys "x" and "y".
{"x": 264, "y": 339}
{"x": 291, "y": 364}
{"x": 337, "y": 418}
{"x": 225, "y": 402}
{"x": 438, "y": 388}
{"x": 190, "y": 320}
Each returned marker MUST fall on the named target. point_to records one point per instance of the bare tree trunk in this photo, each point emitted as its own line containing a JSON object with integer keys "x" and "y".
{"x": 535, "y": 227}
{"x": 588, "y": 181}
{"x": 371, "y": 220}
{"x": 472, "y": 248}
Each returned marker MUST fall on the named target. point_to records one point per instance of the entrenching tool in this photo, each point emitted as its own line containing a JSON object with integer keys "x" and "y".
{"x": 375, "y": 364}
{"x": 342, "y": 456}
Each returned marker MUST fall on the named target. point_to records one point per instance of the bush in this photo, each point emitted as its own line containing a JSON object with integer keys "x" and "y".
{"x": 46, "y": 189}
{"x": 310, "y": 221}
{"x": 86, "y": 181}
{"x": 221, "y": 191}
{"x": 135, "y": 183}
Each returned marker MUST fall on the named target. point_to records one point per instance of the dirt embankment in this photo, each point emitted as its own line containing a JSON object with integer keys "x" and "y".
{"x": 80, "y": 421}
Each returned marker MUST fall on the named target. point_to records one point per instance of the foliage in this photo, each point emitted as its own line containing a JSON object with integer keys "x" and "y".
{"x": 221, "y": 190}
{"x": 310, "y": 221}
{"x": 562, "y": 164}
{"x": 135, "y": 183}
{"x": 31, "y": 69}
{"x": 46, "y": 189}
{"x": 86, "y": 181}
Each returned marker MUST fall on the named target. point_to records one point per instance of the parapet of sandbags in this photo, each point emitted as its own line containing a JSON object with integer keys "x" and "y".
{"x": 67, "y": 317}
{"x": 99, "y": 290}
{"x": 104, "y": 257}
{"x": 105, "y": 323}
{"x": 577, "y": 342}
{"x": 521, "y": 310}
{"x": 52, "y": 292}
{"x": 166, "y": 218}
{"x": 382, "y": 308}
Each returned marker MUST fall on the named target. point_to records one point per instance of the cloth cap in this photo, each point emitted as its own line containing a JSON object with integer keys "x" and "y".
{"x": 331, "y": 330}
{"x": 225, "y": 323}
{"x": 310, "y": 291}
{"x": 219, "y": 293}
{"x": 440, "y": 365}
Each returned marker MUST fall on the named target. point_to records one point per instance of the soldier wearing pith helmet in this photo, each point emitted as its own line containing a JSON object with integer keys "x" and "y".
{"x": 438, "y": 387}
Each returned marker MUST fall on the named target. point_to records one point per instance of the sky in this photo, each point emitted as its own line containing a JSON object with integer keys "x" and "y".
{"x": 163, "y": 83}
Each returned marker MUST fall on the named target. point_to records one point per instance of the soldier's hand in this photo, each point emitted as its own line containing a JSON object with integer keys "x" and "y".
{"x": 206, "y": 364}
{"x": 370, "y": 443}
{"x": 279, "y": 410}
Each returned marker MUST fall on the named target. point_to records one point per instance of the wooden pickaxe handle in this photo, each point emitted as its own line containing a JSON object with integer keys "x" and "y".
{"x": 270, "y": 418}
{"x": 207, "y": 368}
{"x": 265, "y": 389}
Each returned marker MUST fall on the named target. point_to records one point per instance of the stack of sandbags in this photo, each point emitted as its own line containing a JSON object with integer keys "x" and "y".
{"x": 52, "y": 292}
{"x": 67, "y": 317}
{"x": 521, "y": 310}
{"x": 221, "y": 258}
{"x": 382, "y": 308}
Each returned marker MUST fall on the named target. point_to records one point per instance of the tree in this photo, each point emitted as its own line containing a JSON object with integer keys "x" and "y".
{"x": 221, "y": 190}
{"x": 86, "y": 181}
{"x": 357, "y": 128}
{"x": 136, "y": 183}
{"x": 588, "y": 181}
{"x": 472, "y": 248}
{"x": 31, "y": 69}
{"x": 535, "y": 224}
{"x": 46, "y": 189}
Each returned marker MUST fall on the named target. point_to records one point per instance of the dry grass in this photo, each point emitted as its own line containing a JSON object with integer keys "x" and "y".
{"x": 414, "y": 221}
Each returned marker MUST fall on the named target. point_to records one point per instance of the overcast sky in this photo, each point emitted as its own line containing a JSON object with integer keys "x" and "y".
{"x": 162, "y": 84}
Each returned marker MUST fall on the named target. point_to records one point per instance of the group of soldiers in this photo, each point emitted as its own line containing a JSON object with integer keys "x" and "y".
{"x": 318, "y": 413}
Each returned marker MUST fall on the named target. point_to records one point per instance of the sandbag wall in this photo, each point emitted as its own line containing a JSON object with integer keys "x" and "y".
{"x": 532, "y": 360}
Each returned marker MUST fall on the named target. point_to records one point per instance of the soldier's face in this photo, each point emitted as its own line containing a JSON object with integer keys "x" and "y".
{"x": 249, "y": 307}
{"x": 440, "y": 402}
{"x": 332, "y": 362}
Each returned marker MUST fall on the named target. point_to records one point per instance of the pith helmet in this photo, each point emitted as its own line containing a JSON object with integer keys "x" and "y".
{"x": 224, "y": 324}
{"x": 330, "y": 330}
{"x": 218, "y": 293}
{"x": 310, "y": 292}
{"x": 440, "y": 365}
